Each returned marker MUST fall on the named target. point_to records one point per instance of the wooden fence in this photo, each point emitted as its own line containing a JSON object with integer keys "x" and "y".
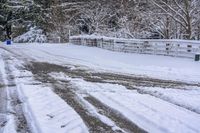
{"x": 178, "y": 48}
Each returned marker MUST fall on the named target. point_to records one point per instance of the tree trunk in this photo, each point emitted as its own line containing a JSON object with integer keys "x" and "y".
{"x": 188, "y": 18}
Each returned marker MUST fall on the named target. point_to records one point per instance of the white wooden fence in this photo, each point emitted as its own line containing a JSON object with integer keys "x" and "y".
{"x": 178, "y": 48}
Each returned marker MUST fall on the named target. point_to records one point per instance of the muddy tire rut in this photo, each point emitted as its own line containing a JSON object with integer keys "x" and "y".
{"x": 3, "y": 104}
{"x": 94, "y": 124}
{"x": 67, "y": 92}
{"x": 114, "y": 115}
{"x": 130, "y": 82}
{"x": 15, "y": 102}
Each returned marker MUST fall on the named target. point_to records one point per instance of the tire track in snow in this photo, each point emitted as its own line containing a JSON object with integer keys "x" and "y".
{"x": 43, "y": 69}
{"x": 15, "y": 103}
{"x": 124, "y": 80}
{"x": 3, "y": 103}
{"x": 94, "y": 124}
{"x": 167, "y": 99}
{"x": 68, "y": 93}
{"x": 114, "y": 115}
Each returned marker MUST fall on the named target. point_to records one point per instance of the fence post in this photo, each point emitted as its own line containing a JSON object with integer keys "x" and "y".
{"x": 177, "y": 49}
{"x": 155, "y": 48}
{"x": 167, "y": 48}
{"x": 189, "y": 48}
{"x": 112, "y": 41}
{"x": 197, "y": 57}
{"x": 101, "y": 43}
{"x": 82, "y": 41}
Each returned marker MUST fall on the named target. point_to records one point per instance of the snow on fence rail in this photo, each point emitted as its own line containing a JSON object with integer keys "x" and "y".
{"x": 178, "y": 48}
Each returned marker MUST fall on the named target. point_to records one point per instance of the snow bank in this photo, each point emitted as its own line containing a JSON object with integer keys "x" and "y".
{"x": 10, "y": 122}
{"x": 49, "y": 112}
{"x": 34, "y": 35}
{"x": 45, "y": 111}
{"x": 187, "y": 98}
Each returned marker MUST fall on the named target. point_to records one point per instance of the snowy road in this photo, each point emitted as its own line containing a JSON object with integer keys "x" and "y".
{"x": 59, "y": 88}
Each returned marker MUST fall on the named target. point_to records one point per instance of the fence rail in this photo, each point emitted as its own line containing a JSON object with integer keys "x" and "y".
{"x": 178, "y": 48}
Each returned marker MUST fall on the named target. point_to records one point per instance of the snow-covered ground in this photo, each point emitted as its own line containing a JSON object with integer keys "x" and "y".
{"x": 45, "y": 111}
{"x": 152, "y": 114}
{"x": 48, "y": 112}
{"x": 189, "y": 98}
{"x": 171, "y": 68}
{"x": 55, "y": 86}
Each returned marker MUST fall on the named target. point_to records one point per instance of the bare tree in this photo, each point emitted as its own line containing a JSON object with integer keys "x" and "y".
{"x": 182, "y": 12}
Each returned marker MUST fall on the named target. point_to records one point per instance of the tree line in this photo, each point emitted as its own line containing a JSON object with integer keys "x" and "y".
{"x": 166, "y": 19}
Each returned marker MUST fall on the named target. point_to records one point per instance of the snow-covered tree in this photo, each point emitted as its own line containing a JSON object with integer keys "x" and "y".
{"x": 20, "y": 15}
{"x": 119, "y": 18}
{"x": 95, "y": 18}
{"x": 183, "y": 12}
{"x": 60, "y": 19}
{"x": 131, "y": 19}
